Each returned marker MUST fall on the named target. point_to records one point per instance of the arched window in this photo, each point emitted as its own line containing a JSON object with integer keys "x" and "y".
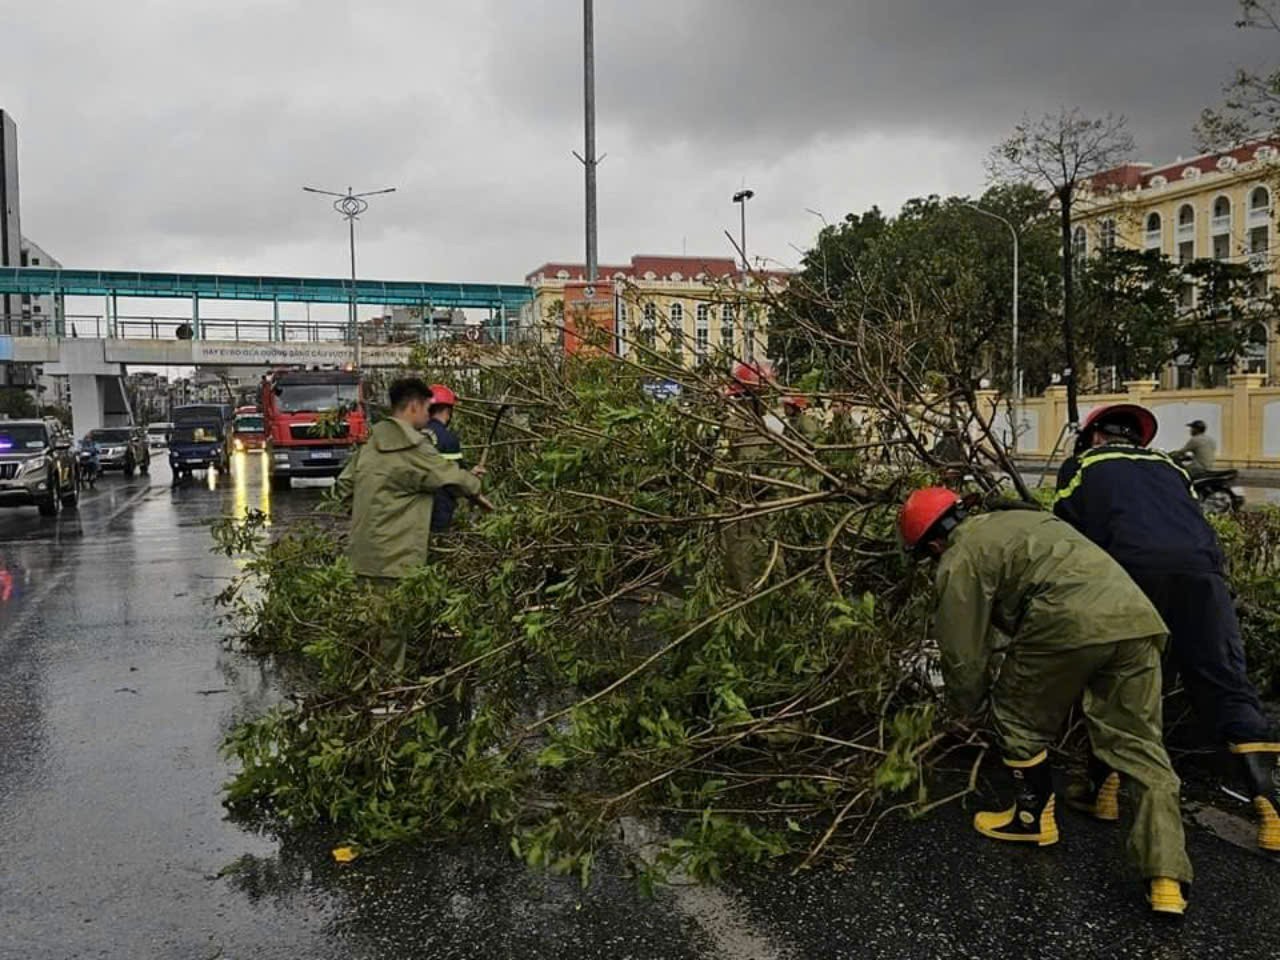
{"x": 675, "y": 327}
{"x": 649, "y": 329}
{"x": 1255, "y": 350}
{"x": 702, "y": 329}
{"x": 1259, "y": 199}
{"x": 726, "y": 327}
{"x": 1107, "y": 235}
{"x": 1186, "y": 216}
{"x": 1153, "y": 235}
{"x": 1079, "y": 244}
{"x": 1221, "y": 208}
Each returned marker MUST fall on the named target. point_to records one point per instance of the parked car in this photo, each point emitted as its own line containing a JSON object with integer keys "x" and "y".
{"x": 121, "y": 448}
{"x": 38, "y": 466}
{"x": 158, "y": 435}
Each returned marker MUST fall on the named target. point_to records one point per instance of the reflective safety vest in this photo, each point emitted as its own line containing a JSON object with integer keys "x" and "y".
{"x": 1139, "y": 506}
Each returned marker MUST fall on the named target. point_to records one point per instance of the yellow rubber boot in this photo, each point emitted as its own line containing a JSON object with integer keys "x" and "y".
{"x": 1100, "y": 796}
{"x": 1261, "y": 774}
{"x": 1165, "y": 896}
{"x": 1031, "y": 818}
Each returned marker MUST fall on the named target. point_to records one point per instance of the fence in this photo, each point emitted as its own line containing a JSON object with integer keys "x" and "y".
{"x": 1243, "y": 418}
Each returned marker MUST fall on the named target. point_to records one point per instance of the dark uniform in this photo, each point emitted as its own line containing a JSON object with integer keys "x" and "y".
{"x": 449, "y": 447}
{"x": 1137, "y": 505}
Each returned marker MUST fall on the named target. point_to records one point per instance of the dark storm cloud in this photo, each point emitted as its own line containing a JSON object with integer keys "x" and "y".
{"x": 178, "y": 135}
{"x": 770, "y": 73}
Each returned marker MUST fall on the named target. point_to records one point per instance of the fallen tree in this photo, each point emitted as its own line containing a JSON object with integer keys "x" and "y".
{"x": 577, "y": 656}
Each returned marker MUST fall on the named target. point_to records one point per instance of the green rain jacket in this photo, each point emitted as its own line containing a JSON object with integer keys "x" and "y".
{"x": 1038, "y": 581}
{"x": 389, "y": 484}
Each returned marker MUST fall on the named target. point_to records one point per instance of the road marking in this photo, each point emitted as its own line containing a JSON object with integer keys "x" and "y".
{"x": 716, "y": 913}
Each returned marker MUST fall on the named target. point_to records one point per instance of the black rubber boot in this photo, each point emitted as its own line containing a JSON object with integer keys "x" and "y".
{"x": 1031, "y": 818}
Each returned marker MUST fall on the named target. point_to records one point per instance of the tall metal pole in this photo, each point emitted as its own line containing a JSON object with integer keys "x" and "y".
{"x": 589, "y": 107}
{"x": 1016, "y": 381}
{"x": 351, "y": 205}
{"x": 741, "y": 198}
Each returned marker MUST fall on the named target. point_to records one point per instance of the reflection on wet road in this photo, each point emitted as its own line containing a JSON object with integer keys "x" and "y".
{"x": 116, "y": 690}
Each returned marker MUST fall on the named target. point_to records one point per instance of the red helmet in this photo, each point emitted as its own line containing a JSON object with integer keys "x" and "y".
{"x": 797, "y": 401}
{"x": 922, "y": 510}
{"x": 1136, "y": 421}
{"x": 753, "y": 375}
{"x": 442, "y": 396}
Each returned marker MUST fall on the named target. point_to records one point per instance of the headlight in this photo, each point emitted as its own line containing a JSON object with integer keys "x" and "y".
{"x": 239, "y": 445}
{"x": 34, "y": 464}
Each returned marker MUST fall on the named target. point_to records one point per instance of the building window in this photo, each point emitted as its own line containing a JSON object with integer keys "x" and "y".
{"x": 675, "y": 328}
{"x": 1259, "y": 200}
{"x": 1153, "y": 237}
{"x": 35, "y": 261}
{"x": 726, "y": 328}
{"x": 1079, "y": 244}
{"x": 1184, "y": 374}
{"x": 1255, "y": 350}
{"x": 1260, "y": 258}
{"x": 1186, "y": 218}
{"x": 624, "y": 328}
{"x": 1186, "y": 251}
{"x": 702, "y": 329}
{"x": 649, "y": 330}
{"x": 1221, "y": 222}
{"x": 1107, "y": 235}
{"x": 1221, "y": 246}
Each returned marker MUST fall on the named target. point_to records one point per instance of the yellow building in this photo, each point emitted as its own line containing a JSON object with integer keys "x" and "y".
{"x": 699, "y": 306}
{"x": 1217, "y": 205}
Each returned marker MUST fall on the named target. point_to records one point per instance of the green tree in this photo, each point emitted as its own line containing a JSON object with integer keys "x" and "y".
{"x": 17, "y": 402}
{"x": 1058, "y": 153}
{"x": 1136, "y": 315}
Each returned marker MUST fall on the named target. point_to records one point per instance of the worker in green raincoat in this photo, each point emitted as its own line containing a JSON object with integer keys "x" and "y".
{"x": 795, "y": 411}
{"x": 746, "y": 441}
{"x": 389, "y": 486}
{"x": 1074, "y": 625}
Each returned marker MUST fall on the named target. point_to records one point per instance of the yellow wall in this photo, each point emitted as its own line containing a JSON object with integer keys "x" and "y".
{"x": 1242, "y": 418}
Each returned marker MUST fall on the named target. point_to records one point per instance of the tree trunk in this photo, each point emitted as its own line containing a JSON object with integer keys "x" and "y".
{"x": 1068, "y": 305}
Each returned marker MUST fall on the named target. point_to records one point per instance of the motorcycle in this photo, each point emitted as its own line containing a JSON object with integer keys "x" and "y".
{"x": 90, "y": 467}
{"x": 1217, "y": 493}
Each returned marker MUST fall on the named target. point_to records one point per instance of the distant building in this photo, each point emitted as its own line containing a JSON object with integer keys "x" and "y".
{"x": 1217, "y": 205}
{"x": 697, "y": 305}
{"x": 37, "y": 311}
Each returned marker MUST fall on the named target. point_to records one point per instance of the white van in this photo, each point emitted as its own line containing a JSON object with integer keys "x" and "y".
{"x": 158, "y": 435}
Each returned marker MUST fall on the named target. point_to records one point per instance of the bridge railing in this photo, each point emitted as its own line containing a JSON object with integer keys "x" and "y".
{"x": 98, "y": 326}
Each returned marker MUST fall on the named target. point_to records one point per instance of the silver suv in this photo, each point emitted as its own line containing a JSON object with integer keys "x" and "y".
{"x": 38, "y": 466}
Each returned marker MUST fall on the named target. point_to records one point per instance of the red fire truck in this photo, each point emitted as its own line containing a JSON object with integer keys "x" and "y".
{"x": 312, "y": 421}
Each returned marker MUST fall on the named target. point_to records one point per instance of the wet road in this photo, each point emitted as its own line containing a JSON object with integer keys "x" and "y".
{"x": 115, "y": 692}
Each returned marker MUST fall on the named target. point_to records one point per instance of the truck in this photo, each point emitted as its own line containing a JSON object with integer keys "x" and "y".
{"x": 247, "y": 429}
{"x": 312, "y": 421}
{"x": 201, "y": 439}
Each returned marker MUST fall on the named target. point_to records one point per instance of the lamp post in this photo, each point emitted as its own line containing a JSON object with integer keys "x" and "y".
{"x": 1017, "y": 378}
{"x": 741, "y": 198}
{"x": 351, "y": 205}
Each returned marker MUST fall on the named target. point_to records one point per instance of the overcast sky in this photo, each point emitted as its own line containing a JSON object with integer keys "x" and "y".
{"x": 176, "y": 134}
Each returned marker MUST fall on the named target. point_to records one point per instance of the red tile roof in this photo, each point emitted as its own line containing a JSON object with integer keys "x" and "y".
{"x": 662, "y": 267}
{"x": 1139, "y": 175}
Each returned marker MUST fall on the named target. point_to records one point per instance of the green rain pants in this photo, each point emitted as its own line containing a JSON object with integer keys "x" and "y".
{"x": 1121, "y": 687}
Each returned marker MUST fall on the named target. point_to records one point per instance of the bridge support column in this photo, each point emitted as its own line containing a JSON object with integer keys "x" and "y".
{"x": 195, "y": 316}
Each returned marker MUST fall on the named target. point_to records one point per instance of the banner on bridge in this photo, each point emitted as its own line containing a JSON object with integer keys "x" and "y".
{"x": 241, "y": 353}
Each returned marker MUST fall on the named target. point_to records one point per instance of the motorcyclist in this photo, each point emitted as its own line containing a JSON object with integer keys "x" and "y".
{"x": 90, "y": 465}
{"x": 1197, "y": 455}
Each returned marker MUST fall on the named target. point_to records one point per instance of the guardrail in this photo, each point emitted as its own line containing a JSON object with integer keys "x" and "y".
{"x": 97, "y": 326}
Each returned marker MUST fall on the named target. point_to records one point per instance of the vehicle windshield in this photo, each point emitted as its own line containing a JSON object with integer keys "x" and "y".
{"x": 249, "y": 424}
{"x": 316, "y": 397}
{"x": 196, "y": 433}
{"x": 110, "y": 436}
{"x": 158, "y": 431}
{"x": 15, "y": 438}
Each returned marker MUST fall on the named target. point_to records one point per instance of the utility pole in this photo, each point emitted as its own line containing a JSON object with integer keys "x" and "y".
{"x": 741, "y": 198}
{"x": 589, "y": 162}
{"x": 351, "y": 205}
{"x": 1016, "y": 382}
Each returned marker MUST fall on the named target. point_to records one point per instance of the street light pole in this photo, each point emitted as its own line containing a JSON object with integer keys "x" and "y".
{"x": 741, "y": 198}
{"x": 351, "y": 205}
{"x": 1016, "y": 383}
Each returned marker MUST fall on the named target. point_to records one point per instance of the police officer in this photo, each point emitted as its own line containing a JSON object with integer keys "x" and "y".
{"x": 443, "y": 400}
{"x": 1076, "y": 627}
{"x": 1137, "y": 504}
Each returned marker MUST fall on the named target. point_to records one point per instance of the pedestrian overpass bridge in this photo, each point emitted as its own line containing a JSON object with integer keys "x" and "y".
{"x": 92, "y": 350}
